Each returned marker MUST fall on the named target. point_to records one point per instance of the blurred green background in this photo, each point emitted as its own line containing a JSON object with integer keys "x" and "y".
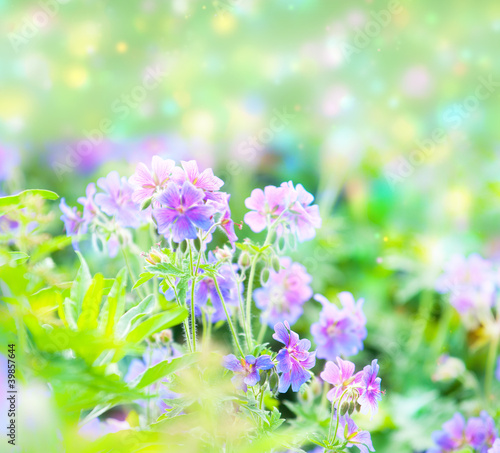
{"x": 387, "y": 110}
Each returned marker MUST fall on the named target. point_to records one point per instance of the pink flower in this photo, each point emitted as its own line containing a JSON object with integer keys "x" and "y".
{"x": 147, "y": 182}
{"x": 264, "y": 205}
{"x": 342, "y": 378}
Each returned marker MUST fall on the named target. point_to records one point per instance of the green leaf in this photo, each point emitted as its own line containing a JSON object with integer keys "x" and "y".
{"x": 18, "y": 198}
{"x": 165, "y": 368}
{"x": 143, "y": 278}
{"x": 91, "y": 304}
{"x": 10, "y": 257}
{"x": 52, "y": 245}
{"x": 166, "y": 269}
{"x": 124, "y": 324}
{"x": 72, "y": 304}
{"x": 115, "y": 303}
{"x": 156, "y": 323}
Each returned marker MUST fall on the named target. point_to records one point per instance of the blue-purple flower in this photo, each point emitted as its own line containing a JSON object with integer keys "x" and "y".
{"x": 284, "y": 294}
{"x": 246, "y": 371}
{"x": 182, "y": 212}
{"x": 294, "y": 359}
{"x": 350, "y": 433}
{"x": 90, "y": 209}
{"x": 370, "y": 388}
{"x": 74, "y": 223}
{"x": 339, "y": 331}
{"x": 116, "y": 201}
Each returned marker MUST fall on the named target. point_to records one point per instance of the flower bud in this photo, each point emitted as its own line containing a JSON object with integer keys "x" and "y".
{"x": 275, "y": 263}
{"x": 244, "y": 260}
{"x": 146, "y": 204}
{"x": 264, "y": 276}
{"x": 344, "y": 407}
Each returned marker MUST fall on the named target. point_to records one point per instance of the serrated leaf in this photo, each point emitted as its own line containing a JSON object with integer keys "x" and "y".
{"x": 163, "y": 369}
{"x": 125, "y": 322}
{"x": 165, "y": 269}
{"x": 156, "y": 323}
{"x": 143, "y": 278}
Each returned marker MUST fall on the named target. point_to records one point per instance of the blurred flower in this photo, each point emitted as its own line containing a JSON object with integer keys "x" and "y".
{"x": 229, "y": 288}
{"x": 480, "y": 432}
{"x": 496, "y": 447}
{"x": 471, "y": 285}
{"x": 342, "y": 378}
{"x": 339, "y": 331}
{"x": 246, "y": 371}
{"x": 117, "y": 200}
{"x": 9, "y": 160}
{"x": 73, "y": 222}
{"x": 90, "y": 209}
{"x": 451, "y": 437}
{"x": 370, "y": 388}
{"x": 294, "y": 359}
{"x": 497, "y": 374}
{"x": 182, "y": 211}
{"x": 349, "y": 432}
{"x": 284, "y": 294}
{"x": 227, "y": 223}
{"x": 96, "y": 428}
{"x": 448, "y": 368}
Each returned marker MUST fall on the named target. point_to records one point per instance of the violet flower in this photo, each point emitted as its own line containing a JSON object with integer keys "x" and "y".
{"x": 339, "y": 331}
{"x": 182, "y": 212}
{"x": 370, "y": 388}
{"x": 74, "y": 223}
{"x": 117, "y": 200}
{"x": 246, "y": 371}
{"x": 349, "y": 432}
{"x": 294, "y": 359}
{"x": 284, "y": 294}
{"x": 342, "y": 378}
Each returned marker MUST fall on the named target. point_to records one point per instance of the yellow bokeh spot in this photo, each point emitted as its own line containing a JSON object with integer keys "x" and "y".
{"x": 122, "y": 47}
{"x": 404, "y": 129}
{"x": 76, "y": 76}
{"x": 458, "y": 201}
{"x": 182, "y": 98}
{"x": 224, "y": 23}
{"x": 201, "y": 123}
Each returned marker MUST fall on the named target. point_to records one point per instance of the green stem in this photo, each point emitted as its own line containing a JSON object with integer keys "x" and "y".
{"x": 185, "y": 322}
{"x": 235, "y": 337}
{"x": 490, "y": 367}
{"x": 249, "y": 300}
{"x": 262, "y": 332}
{"x": 338, "y": 417}
{"x": 242, "y": 309}
{"x": 193, "y": 281}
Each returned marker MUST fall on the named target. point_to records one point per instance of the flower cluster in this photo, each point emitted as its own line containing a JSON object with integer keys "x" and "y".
{"x": 286, "y": 208}
{"x": 471, "y": 283}
{"x": 246, "y": 370}
{"x": 339, "y": 331}
{"x": 281, "y": 298}
{"x": 478, "y": 433}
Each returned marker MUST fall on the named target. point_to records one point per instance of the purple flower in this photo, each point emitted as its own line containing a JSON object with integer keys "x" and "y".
{"x": 284, "y": 294}
{"x": 147, "y": 182}
{"x": 294, "y": 359}
{"x": 117, "y": 200}
{"x": 246, "y": 371}
{"x": 182, "y": 211}
{"x": 301, "y": 218}
{"x": 339, "y": 331}
{"x": 480, "y": 432}
{"x": 497, "y": 373}
{"x": 451, "y": 437}
{"x": 73, "y": 222}
{"x": 266, "y": 206}
{"x": 204, "y": 180}
{"x": 227, "y": 224}
{"x": 229, "y": 289}
{"x": 370, "y": 388}
{"x": 349, "y": 432}
{"x": 471, "y": 285}
{"x": 342, "y": 378}
{"x": 496, "y": 447}
{"x": 90, "y": 209}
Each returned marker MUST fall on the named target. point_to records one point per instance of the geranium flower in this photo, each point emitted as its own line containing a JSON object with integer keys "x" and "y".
{"x": 206, "y": 180}
{"x": 147, "y": 182}
{"x": 284, "y": 294}
{"x": 294, "y": 359}
{"x": 269, "y": 203}
{"x": 451, "y": 437}
{"x": 480, "y": 432}
{"x": 349, "y": 432}
{"x": 342, "y": 378}
{"x": 370, "y": 388}
{"x": 182, "y": 212}
{"x": 117, "y": 200}
{"x": 90, "y": 209}
{"x": 74, "y": 223}
{"x": 246, "y": 371}
{"x": 339, "y": 331}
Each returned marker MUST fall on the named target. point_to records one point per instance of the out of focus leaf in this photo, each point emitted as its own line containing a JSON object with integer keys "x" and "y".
{"x": 156, "y": 323}
{"x": 124, "y": 324}
{"x": 91, "y": 304}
